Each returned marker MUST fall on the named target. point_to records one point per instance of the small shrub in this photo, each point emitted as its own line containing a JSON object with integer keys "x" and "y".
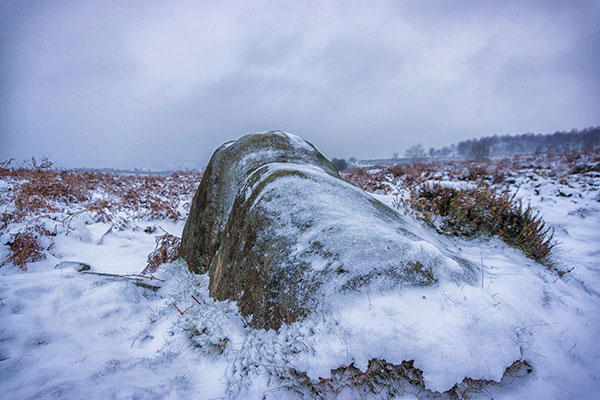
{"x": 483, "y": 211}
{"x": 167, "y": 250}
{"x": 24, "y": 248}
{"x": 369, "y": 181}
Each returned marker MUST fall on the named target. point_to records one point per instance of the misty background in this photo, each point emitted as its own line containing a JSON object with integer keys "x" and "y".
{"x": 159, "y": 85}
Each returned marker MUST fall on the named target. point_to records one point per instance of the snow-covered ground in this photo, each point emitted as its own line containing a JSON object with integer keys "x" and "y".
{"x": 72, "y": 335}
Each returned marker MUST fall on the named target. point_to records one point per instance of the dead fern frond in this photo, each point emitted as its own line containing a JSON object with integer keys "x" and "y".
{"x": 24, "y": 248}
{"x": 167, "y": 250}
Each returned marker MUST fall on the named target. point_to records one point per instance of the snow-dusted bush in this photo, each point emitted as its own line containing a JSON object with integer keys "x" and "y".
{"x": 483, "y": 211}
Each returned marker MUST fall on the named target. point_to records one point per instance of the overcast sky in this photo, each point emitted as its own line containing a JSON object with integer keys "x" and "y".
{"x": 160, "y": 84}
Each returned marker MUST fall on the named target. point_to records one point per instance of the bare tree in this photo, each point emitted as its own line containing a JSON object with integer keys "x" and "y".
{"x": 416, "y": 153}
{"x": 480, "y": 150}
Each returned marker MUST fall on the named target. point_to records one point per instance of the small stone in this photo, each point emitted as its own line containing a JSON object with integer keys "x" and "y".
{"x": 76, "y": 265}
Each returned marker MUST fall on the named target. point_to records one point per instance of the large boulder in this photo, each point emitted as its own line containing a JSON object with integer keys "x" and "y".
{"x": 278, "y": 231}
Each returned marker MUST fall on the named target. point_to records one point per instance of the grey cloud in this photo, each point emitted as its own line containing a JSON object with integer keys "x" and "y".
{"x": 147, "y": 84}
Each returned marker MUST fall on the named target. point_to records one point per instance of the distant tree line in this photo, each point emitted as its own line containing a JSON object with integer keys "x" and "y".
{"x": 527, "y": 143}
{"x": 495, "y": 146}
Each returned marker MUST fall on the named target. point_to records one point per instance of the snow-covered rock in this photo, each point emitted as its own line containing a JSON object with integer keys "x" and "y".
{"x": 291, "y": 237}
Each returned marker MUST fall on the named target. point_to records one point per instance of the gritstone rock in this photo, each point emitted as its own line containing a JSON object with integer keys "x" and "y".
{"x": 279, "y": 232}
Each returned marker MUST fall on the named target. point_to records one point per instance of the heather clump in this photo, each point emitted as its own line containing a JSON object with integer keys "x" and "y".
{"x": 482, "y": 211}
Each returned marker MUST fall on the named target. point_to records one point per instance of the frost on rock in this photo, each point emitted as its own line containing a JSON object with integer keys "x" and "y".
{"x": 281, "y": 234}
